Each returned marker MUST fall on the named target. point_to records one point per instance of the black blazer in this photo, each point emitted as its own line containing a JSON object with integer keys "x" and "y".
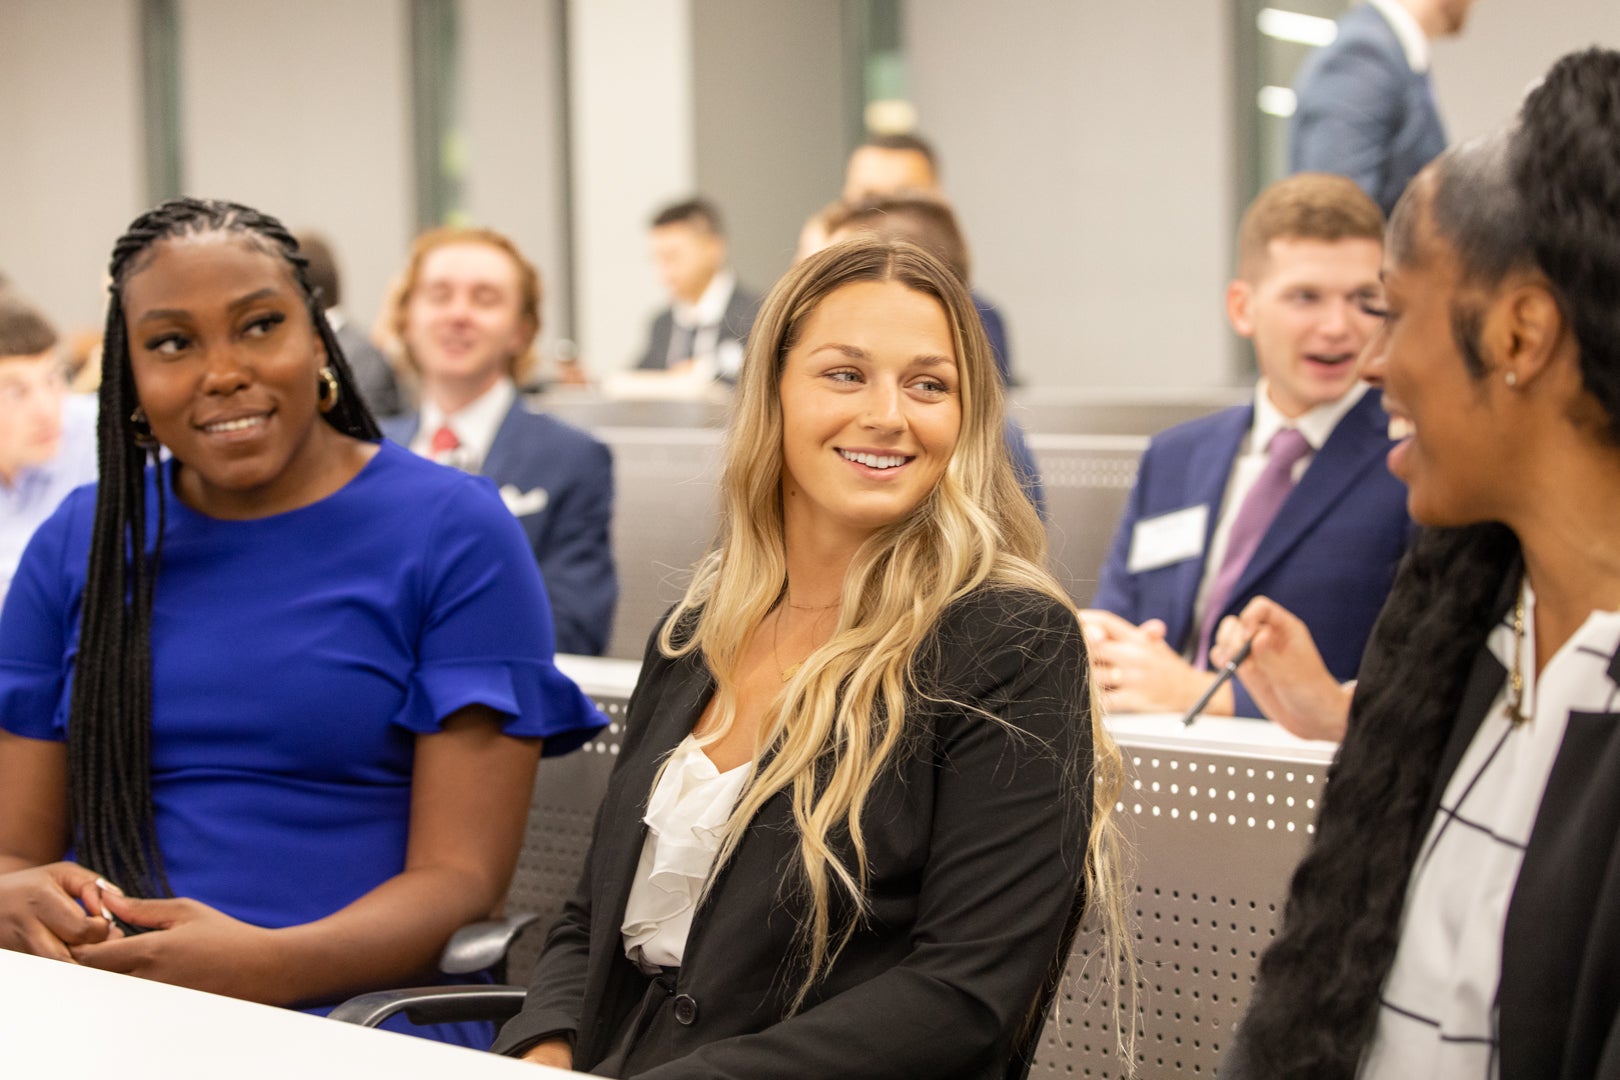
{"x": 976, "y": 841}
{"x": 1559, "y": 993}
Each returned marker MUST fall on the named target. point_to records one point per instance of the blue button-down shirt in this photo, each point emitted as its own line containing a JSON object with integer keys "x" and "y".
{"x": 37, "y": 490}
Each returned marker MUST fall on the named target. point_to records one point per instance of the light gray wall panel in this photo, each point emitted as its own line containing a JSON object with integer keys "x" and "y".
{"x": 70, "y": 122}
{"x": 1086, "y": 144}
{"x": 768, "y": 88}
{"x": 301, "y": 109}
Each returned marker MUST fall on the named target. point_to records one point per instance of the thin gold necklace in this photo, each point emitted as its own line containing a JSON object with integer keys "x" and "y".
{"x": 776, "y": 633}
{"x": 1515, "y": 702}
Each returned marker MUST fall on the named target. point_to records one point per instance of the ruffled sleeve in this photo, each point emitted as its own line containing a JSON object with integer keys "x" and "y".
{"x": 486, "y": 635}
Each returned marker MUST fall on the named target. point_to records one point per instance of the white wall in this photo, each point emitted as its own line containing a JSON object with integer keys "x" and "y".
{"x": 71, "y": 127}
{"x": 630, "y": 82}
{"x": 768, "y": 106}
{"x": 301, "y": 109}
{"x": 1086, "y": 144}
{"x": 1480, "y": 75}
{"x": 513, "y": 123}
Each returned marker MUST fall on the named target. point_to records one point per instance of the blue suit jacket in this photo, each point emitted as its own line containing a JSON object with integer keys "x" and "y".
{"x": 1362, "y": 111}
{"x": 1329, "y": 555}
{"x": 558, "y": 482}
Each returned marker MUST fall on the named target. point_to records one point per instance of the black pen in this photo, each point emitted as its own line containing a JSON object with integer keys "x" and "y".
{"x": 1220, "y": 680}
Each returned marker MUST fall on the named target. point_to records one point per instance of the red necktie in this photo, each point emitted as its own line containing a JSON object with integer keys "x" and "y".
{"x": 444, "y": 441}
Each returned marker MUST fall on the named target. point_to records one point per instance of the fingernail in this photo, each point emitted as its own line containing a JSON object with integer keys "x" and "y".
{"x": 103, "y": 883}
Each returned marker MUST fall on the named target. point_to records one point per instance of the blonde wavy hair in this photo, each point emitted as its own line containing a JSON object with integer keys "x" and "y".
{"x": 842, "y": 717}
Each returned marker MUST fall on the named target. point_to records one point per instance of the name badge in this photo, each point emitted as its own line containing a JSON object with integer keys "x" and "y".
{"x": 1168, "y": 538}
{"x": 524, "y": 503}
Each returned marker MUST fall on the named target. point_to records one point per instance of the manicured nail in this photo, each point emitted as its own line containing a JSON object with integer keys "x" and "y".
{"x": 103, "y": 883}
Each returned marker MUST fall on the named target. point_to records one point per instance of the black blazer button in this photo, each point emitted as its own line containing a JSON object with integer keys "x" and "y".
{"x": 685, "y": 1010}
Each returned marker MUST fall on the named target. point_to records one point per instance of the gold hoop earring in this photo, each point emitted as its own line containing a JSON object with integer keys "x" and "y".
{"x": 327, "y": 391}
{"x": 142, "y": 435}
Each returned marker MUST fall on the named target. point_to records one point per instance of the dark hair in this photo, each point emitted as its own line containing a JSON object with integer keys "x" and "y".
{"x": 698, "y": 212}
{"x": 321, "y": 266}
{"x": 24, "y": 330}
{"x": 1316, "y": 1001}
{"x": 920, "y": 219}
{"x": 904, "y": 140}
{"x": 1566, "y": 165}
{"x": 109, "y": 733}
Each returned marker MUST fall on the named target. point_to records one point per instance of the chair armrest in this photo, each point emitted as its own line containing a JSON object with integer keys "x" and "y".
{"x": 433, "y": 1005}
{"x": 482, "y": 946}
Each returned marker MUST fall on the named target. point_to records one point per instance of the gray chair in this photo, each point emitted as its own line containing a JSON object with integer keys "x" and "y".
{"x": 567, "y": 791}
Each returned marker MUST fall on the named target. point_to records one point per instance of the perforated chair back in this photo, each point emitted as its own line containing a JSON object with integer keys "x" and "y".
{"x": 567, "y": 792}
{"x": 1216, "y": 833}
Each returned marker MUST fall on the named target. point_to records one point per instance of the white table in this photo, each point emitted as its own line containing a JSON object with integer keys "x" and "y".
{"x": 65, "y": 1022}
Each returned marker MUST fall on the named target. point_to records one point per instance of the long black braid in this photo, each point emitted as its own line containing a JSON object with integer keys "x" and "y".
{"x": 1546, "y": 195}
{"x": 110, "y": 728}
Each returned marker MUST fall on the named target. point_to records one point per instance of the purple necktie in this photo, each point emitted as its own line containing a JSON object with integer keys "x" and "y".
{"x": 1253, "y": 519}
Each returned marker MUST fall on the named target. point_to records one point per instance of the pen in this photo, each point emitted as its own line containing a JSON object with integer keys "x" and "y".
{"x": 1220, "y": 680}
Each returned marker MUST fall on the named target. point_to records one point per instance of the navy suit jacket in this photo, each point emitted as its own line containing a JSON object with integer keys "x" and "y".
{"x": 558, "y": 482}
{"x": 1329, "y": 555}
{"x": 1362, "y": 111}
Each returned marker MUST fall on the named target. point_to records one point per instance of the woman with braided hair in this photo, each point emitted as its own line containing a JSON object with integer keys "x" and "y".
{"x": 270, "y": 706}
{"x": 1459, "y": 912}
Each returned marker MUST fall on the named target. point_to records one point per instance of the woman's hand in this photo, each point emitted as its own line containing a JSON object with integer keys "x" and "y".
{"x": 49, "y": 910}
{"x": 1284, "y": 672}
{"x": 556, "y": 1051}
{"x": 190, "y": 944}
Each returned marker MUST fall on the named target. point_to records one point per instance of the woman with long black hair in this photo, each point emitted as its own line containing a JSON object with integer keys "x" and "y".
{"x": 276, "y": 699}
{"x": 1459, "y": 912}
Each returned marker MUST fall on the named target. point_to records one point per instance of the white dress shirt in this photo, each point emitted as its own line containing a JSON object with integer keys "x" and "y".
{"x": 1414, "y": 42}
{"x": 686, "y": 820}
{"x": 1438, "y": 1011}
{"x": 706, "y": 317}
{"x": 474, "y": 426}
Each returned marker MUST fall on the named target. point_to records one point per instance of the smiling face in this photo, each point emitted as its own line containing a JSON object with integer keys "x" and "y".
{"x": 31, "y": 392}
{"x": 226, "y": 364}
{"x": 1305, "y": 311}
{"x": 1450, "y": 458}
{"x": 871, "y": 410}
{"x": 463, "y": 319}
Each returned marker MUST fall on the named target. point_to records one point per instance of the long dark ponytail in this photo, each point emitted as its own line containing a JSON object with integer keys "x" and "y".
{"x": 110, "y": 725}
{"x": 1317, "y": 996}
{"x": 1545, "y": 195}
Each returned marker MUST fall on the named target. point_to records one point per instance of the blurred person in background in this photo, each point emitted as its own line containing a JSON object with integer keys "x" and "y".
{"x": 467, "y": 313}
{"x": 373, "y": 374}
{"x": 706, "y": 326}
{"x": 47, "y": 435}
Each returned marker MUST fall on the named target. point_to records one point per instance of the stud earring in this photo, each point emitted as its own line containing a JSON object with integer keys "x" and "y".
{"x": 142, "y": 435}
{"x": 327, "y": 390}
{"x": 1512, "y": 379}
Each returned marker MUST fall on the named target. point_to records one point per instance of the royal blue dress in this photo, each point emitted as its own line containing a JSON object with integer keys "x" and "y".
{"x": 295, "y": 658}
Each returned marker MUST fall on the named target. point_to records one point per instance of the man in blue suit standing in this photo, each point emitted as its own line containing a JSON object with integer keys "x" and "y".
{"x": 1365, "y": 108}
{"x": 468, "y": 313}
{"x": 1289, "y": 497}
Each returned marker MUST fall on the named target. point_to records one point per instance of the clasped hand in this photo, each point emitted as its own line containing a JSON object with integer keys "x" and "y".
{"x": 1137, "y": 669}
{"x": 55, "y": 911}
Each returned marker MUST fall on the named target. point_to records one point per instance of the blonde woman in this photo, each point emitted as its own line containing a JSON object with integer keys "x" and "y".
{"x": 863, "y": 798}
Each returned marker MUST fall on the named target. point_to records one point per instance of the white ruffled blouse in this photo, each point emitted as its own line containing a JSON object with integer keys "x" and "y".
{"x": 686, "y": 820}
